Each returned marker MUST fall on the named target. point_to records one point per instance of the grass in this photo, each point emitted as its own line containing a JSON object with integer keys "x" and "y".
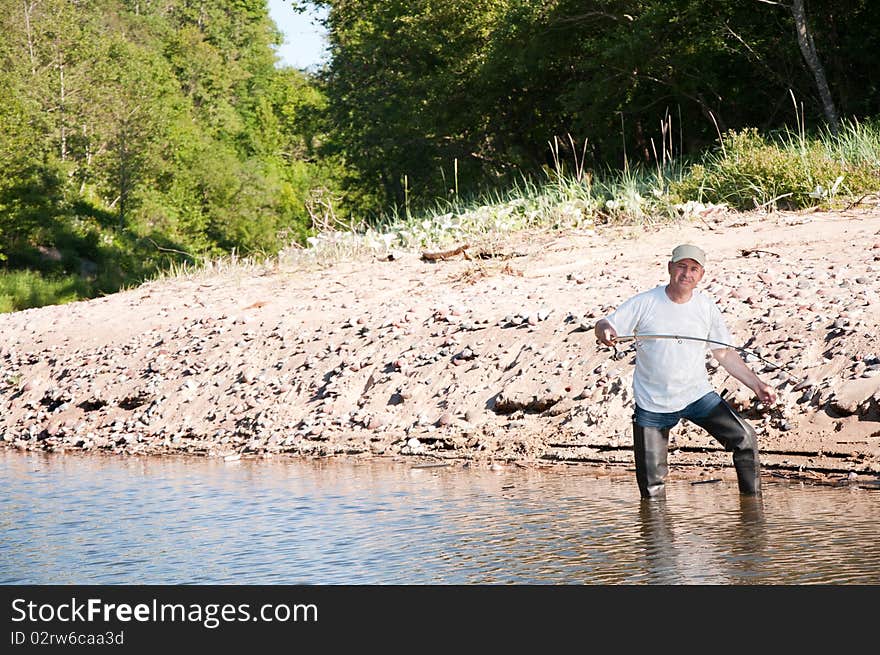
{"x": 746, "y": 171}
{"x": 576, "y": 200}
{"x": 787, "y": 170}
{"x": 26, "y": 289}
{"x": 218, "y": 266}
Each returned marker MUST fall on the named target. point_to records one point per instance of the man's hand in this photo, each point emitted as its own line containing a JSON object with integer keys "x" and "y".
{"x": 605, "y": 334}
{"x": 734, "y": 364}
{"x": 765, "y": 393}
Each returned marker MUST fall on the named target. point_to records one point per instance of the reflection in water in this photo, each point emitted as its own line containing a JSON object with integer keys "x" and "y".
{"x": 661, "y": 552}
{"x": 101, "y": 520}
{"x": 736, "y": 556}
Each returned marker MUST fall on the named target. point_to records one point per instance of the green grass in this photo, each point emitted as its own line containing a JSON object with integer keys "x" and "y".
{"x": 787, "y": 170}
{"x": 563, "y": 199}
{"x": 25, "y": 289}
{"x": 747, "y": 170}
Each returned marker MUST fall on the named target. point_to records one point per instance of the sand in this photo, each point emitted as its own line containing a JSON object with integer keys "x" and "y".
{"x": 483, "y": 358}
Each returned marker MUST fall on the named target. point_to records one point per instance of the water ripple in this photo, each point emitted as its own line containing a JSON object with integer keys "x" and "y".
{"x": 98, "y": 520}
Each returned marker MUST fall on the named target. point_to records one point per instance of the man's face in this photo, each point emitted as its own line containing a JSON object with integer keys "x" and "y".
{"x": 685, "y": 274}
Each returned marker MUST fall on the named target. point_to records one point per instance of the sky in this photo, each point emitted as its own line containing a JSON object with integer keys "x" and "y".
{"x": 303, "y": 38}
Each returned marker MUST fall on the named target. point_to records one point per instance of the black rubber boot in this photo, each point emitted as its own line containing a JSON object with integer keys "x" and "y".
{"x": 649, "y": 447}
{"x": 736, "y": 435}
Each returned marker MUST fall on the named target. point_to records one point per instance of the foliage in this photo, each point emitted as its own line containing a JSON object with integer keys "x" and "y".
{"x": 26, "y": 289}
{"x": 428, "y": 100}
{"x": 133, "y": 133}
{"x": 139, "y": 136}
{"x": 790, "y": 170}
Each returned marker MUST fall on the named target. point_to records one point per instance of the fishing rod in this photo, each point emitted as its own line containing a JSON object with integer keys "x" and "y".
{"x": 678, "y": 337}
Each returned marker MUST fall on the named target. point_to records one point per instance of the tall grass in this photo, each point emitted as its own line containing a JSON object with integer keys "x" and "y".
{"x": 25, "y": 289}
{"x": 747, "y": 170}
{"x": 788, "y": 169}
{"x": 567, "y": 196}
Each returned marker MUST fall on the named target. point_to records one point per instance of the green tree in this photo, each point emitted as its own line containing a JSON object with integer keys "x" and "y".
{"x": 132, "y": 131}
{"x": 413, "y": 87}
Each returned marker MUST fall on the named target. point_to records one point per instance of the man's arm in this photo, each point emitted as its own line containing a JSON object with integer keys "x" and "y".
{"x": 605, "y": 333}
{"x": 734, "y": 364}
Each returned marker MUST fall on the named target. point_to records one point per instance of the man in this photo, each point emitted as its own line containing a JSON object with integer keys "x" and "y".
{"x": 670, "y": 380}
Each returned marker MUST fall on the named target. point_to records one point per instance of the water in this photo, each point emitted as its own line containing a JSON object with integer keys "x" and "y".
{"x": 74, "y": 519}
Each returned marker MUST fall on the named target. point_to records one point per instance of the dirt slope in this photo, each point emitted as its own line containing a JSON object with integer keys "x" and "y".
{"x": 488, "y": 360}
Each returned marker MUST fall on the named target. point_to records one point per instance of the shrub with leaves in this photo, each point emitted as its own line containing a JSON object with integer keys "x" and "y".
{"x": 789, "y": 171}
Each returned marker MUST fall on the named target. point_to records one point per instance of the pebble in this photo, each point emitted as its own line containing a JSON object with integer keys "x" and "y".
{"x": 190, "y": 351}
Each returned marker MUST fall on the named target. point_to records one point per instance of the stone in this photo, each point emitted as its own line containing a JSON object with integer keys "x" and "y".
{"x": 851, "y": 397}
{"x": 507, "y": 402}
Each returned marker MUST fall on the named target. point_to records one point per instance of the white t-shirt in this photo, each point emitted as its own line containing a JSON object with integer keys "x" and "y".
{"x": 670, "y": 374}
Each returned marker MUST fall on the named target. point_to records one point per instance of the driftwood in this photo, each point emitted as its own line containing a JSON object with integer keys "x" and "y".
{"x": 446, "y": 254}
{"x": 860, "y": 200}
{"x": 746, "y": 253}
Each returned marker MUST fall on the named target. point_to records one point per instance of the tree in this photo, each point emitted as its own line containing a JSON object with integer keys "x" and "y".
{"x": 131, "y": 123}
{"x": 811, "y": 58}
{"x": 414, "y": 87}
{"x": 808, "y": 48}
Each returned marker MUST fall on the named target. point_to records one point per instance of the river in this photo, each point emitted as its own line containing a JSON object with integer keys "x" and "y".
{"x": 82, "y": 519}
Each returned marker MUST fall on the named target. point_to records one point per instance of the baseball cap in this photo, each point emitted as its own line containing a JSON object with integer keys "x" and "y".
{"x": 687, "y": 251}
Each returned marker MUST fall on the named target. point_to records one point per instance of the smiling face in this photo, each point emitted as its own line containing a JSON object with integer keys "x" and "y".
{"x": 684, "y": 276}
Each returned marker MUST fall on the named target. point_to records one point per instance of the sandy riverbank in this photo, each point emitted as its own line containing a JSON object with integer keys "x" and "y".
{"x": 481, "y": 361}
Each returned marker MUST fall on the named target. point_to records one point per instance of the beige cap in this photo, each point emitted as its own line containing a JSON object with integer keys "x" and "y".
{"x": 687, "y": 251}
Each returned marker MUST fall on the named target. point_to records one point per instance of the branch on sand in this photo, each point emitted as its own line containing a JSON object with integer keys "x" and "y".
{"x": 746, "y": 252}
{"x": 446, "y": 254}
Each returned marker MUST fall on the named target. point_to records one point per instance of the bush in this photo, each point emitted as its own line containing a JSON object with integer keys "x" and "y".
{"x": 26, "y": 289}
{"x": 789, "y": 172}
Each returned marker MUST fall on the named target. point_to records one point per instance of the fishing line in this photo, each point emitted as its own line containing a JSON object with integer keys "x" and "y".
{"x": 636, "y": 337}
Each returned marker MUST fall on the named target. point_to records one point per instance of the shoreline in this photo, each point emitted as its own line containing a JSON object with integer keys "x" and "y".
{"x": 485, "y": 360}
{"x": 678, "y": 473}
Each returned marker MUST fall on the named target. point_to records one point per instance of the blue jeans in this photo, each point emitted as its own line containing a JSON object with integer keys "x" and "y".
{"x": 698, "y": 409}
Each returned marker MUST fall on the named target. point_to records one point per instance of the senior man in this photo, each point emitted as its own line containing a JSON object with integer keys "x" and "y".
{"x": 671, "y": 381}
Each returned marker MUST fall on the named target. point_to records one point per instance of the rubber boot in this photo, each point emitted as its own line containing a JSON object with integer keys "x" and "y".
{"x": 736, "y": 435}
{"x": 650, "y": 446}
